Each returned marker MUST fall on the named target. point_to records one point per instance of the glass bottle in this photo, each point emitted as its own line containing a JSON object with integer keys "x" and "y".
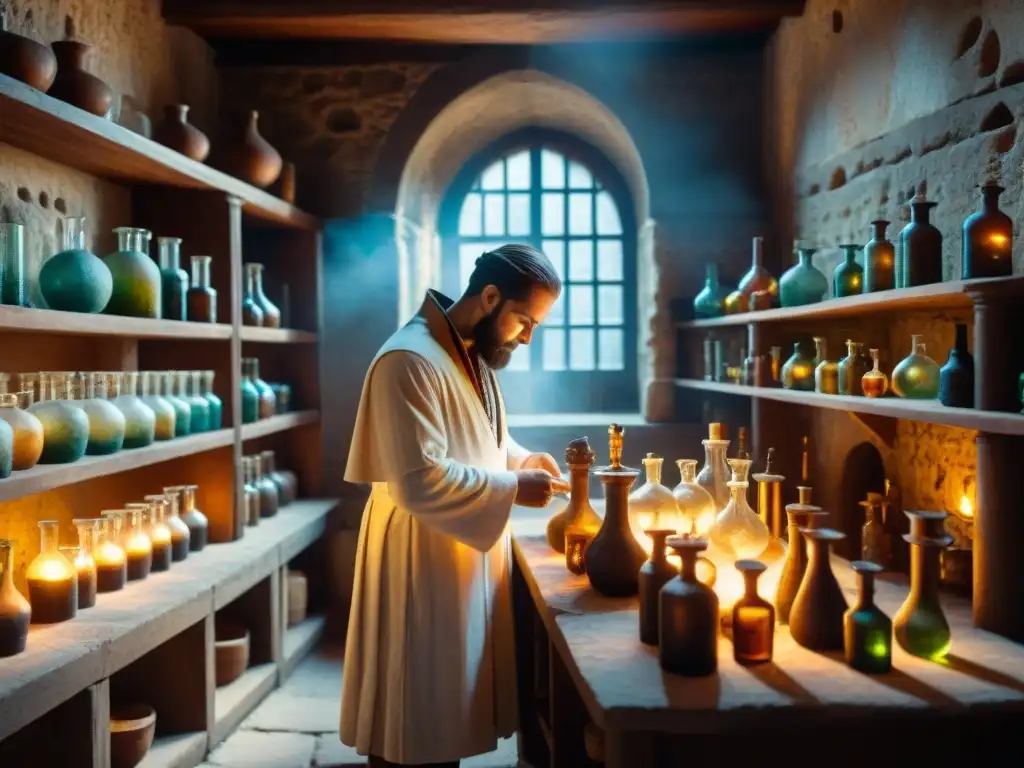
{"x": 694, "y": 502}
{"x": 988, "y": 238}
{"x": 137, "y": 545}
{"x": 15, "y": 611}
{"x": 268, "y": 401}
{"x": 867, "y": 632}
{"x": 708, "y": 302}
{"x": 106, "y": 422}
{"x": 198, "y": 413}
{"x": 874, "y": 383}
{"x": 652, "y": 506}
{"x": 26, "y": 430}
{"x": 85, "y": 564}
{"x": 13, "y": 291}
{"x": 198, "y": 525}
{"x": 140, "y": 421}
{"x": 799, "y": 516}
{"x": 816, "y": 618}
{"x": 65, "y": 426}
{"x": 159, "y": 532}
{"x": 776, "y": 367}
{"x": 283, "y": 398}
{"x": 714, "y": 475}
{"x": 164, "y": 427}
{"x": 826, "y": 374}
{"x": 250, "y": 395}
{"x": 956, "y": 377}
{"x": 798, "y": 372}
{"x": 757, "y": 278}
{"x": 852, "y": 369}
{"x": 753, "y": 619}
{"x": 738, "y": 531}
{"x": 252, "y": 314}
{"x": 216, "y": 419}
{"x": 654, "y": 574}
{"x": 281, "y": 482}
{"x": 879, "y": 260}
{"x": 848, "y": 279}
{"x": 267, "y": 488}
{"x": 202, "y": 297}
{"x": 52, "y": 581}
{"x": 137, "y": 280}
{"x": 182, "y": 410}
{"x": 180, "y": 534}
{"x": 752, "y": 371}
{"x": 271, "y": 314}
{"x": 920, "y": 625}
{"x": 688, "y": 611}
{"x": 251, "y": 492}
{"x": 919, "y": 258}
{"x": 917, "y": 375}
{"x": 735, "y": 303}
{"x": 173, "y": 279}
{"x": 75, "y": 280}
{"x": 110, "y": 557}
{"x": 803, "y": 283}
{"x": 872, "y": 533}
{"x": 198, "y": 405}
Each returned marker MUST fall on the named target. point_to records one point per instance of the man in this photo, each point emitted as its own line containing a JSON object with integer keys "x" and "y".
{"x": 429, "y": 659}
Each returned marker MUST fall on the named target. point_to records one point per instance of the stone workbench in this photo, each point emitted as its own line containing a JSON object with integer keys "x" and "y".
{"x": 588, "y": 686}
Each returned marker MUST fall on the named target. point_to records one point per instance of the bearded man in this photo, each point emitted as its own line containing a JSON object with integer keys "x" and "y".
{"x": 429, "y": 659}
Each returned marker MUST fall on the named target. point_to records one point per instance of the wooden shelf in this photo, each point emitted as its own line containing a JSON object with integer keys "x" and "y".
{"x": 236, "y": 700}
{"x": 930, "y": 411}
{"x": 299, "y": 641}
{"x": 955, "y": 294}
{"x": 45, "y": 477}
{"x": 180, "y": 750}
{"x": 23, "y": 320}
{"x": 276, "y": 335}
{"x": 64, "y": 134}
{"x": 279, "y": 424}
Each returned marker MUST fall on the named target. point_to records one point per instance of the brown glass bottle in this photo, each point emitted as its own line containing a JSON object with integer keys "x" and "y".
{"x": 799, "y": 515}
{"x": 879, "y": 260}
{"x": 654, "y": 574}
{"x": 988, "y": 238}
{"x": 688, "y": 611}
{"x": 753, "y": 619}
{"x": 202, "y": 298}
{"x": 816, "y": 618}
{"x": 271, "y": 314}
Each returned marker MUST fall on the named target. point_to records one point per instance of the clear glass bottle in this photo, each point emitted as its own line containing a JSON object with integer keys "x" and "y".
{"x": 15, "y": 611}
{"x": 137, "y": 280}
{"x": 198, "y": 525}
{"x": 848, "y": 279}
{"x": 689, "y": 621}
{"x": 867, "y": 632}
{"x": 271, "y": 314}
{"x": 651, "y": 506}
{"x": 737, "y": 530}
{"x": 173, "y": 279}
{"x": 874, "y": 383}
{"x": 110, "y": 557}
{"x": 251, "y": 492}
{"x": 75, "y": 280}
{"x": 250, "y": 395}
{"x": 182, "y": 410}
{"x": 753, "y": 619}
{"x": 14, "y": 290}
{"x": 52, "y": 581}
{"x": 694, "y": 502}
{"x": 85, "y": 565}
{"x": 140, "y": 420}
{"x": 149, "y": 393}
{"x": 708, "y": 303}
{"x": 826, "y": 372}
{"x": 159, "y": 532}
{"x": 26, "y": 430}
{"x": 137, "y": 545}
{"x": 268, "y": 401}
{"x": 872, "y": 533}
{"x": 798, "y": 371}
{"x": 267, "y": 488}
{"x": 106, "y": 422}
{"x": 803, "y": 283}
{"x": 65, "y": 425}
{"x": 198, "y": 404}
{"x": 714, "y": 475}
{"x": 180, "y": 533}
{"x": 202, "y": 297}
{"x": 920, "y": 625}
{"x": 216, "y": 419}
{"x": 917, "y": 375}
{"x": 280, "y": 481}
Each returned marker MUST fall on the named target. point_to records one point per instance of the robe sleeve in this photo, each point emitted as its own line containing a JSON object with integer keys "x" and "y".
{"x": 516, "y": 453}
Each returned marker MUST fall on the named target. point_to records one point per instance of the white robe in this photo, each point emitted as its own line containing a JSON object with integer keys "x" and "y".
{"x": 429, "y": 659}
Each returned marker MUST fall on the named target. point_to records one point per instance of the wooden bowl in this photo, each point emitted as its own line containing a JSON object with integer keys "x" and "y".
{"x": 231, "y": 649}
{"x": 297, "y": 593}
{"x": 131, "y": 734}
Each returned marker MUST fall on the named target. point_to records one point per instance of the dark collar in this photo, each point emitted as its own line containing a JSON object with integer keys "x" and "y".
{"x": 435, "y": 312}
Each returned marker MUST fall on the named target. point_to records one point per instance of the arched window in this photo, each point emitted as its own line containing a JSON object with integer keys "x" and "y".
{"x": 558, "y": 194}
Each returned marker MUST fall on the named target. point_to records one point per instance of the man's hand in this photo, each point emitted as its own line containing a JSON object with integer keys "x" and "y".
{"x": 543, "y": 461}
{"x": 536, "y": 486}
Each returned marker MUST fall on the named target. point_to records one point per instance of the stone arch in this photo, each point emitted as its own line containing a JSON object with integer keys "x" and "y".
{"x": 474, "y": 119}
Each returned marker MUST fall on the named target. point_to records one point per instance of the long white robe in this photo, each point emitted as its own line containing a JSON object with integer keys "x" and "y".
{"x": 429, "y": 661}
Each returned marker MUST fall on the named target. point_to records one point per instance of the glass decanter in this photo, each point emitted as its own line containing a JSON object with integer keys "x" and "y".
{"x": 106, "y": 422}
{"x": 15, "y": 611}
{"x": 714, "y": 475}
{"x": 179, "y": 531}
{"x": 651, "y": 506}
{"x": 917, "y": 375}
{"x": 803, "y": 283}
{"x": 159, "y": 532}
{"x": 753, "y": 619}
{"x": 826, "y": 372}
{"x": 202, "y": 297}
{"x": 27, "y": 429}
{"x": 216, "y": 404}
{"x": 737, "y": 531}
{"x": 694, "y": 502}
{"x": 85, "y": 564}
{"x": 137, "y": 279}
{"x": 110, "y": 557}
{"x": 252, "y": 313}
{"x": 182, "y": 410}
{"x": 867, "y": 632}
{"x": 271, "y": 314}
{"x": 199, "y": 405}
{"x": 164, "y": 426}
{"x": 708, "y": 302}
{"x": 52, "y": 580}
{"x": 250, "y": 395}
{"x": 798, "y": 371}
{"x": 173, "y": 279}
{"x": 65, "y": 425}
{"x": 140, "y": 421}
{"x": 848, "y": 279}
{"x": 874, "y": 383}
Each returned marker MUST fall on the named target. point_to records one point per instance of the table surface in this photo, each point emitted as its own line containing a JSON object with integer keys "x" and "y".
{"x": 622, "y": 683}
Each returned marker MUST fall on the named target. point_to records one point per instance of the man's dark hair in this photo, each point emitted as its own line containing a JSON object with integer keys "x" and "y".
{"x": 514, "y": 269}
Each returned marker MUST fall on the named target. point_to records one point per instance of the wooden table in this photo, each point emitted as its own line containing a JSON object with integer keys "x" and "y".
{"x": 584, "y": 676}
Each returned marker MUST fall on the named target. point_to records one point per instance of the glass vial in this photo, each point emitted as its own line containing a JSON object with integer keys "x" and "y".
{"x": 173, "y": 279}
{"x": 137, "y": 544}
{"x": 159, "y": 532}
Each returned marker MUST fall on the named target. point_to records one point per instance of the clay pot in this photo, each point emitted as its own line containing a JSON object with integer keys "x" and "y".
{"x": 26, "y": 60}
{"x": 297, "y": 596}
{"x": 180, "y": 135}
{"x": 76, "y": 86}
{"x": 231, "y": 649}
{"x": 251, "y": 158}
{"x": 131, "y": 734}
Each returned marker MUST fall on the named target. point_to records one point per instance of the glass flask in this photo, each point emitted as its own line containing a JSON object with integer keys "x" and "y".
{"x": 65, "y": 425}
{"x": 140, "y": 421}
{"x": 173, "y": 279}
{"x": 192, "y": 386}
{"x": 988, "y": 238}
{"x": 798, "y": 371}
{"x": 136, "y": 277}
{"x": 252, "y": 314}
{"x": 738, "y": 531}
{"x": 917, "y": 375}
{"x": 758, "y": 279}
{"x": 198, "y": 525}
{"x": 270, "y": 313}
{"x": 106, "y": 422}
{"x": 753, "y": 619}
{"x": 159, "y": 532}
{"x": 75, "y": 280}
{"x": 52, "y": 580}
{"x": 803, "y": 283}
{"x": 714, "y": 475}
{"x": 919, "y": 257}
{"x": 268, "y": 401}
{"x": 708, "y": 302}
{"x": 267, "y": 488}
{"x": 216, "y": 419}
{"x": 267, "y": 457}
{"x": 654, "y": 574}
{"x": 85, "y": 564}
{"x": 197, "y": 414}
{"x": 816, "y": 618}
{"x": 874, "y": 383}
{"x": 688, "y": 611}
{"x": 179, "y": 531}
{"x": 137, "y": 545}
{"x": 14, "y": 288}
{"x": 15, "y": 611}
{"x": 182, "y": 410}
{"x": 250, "y": 395}
{"x": 799, "y": 516}
{"x": 852, "y": 369}
{"x": 694, "y": 502}
{"x": 920, "y": 625}
{"x": 826, "y": 373}
{"x": 956, "y": 377}
{"x": 202, "y": 297}
{"x": 251, "y": 492}
{"x": 867, "y": 632}
{"x": 872, "y": 533}
{"x": 652, "y": 506}
{"x": 149, "y": 393}
{"x": 110, "y": 557}
{"x": 879, "y": 260}
{"x": 848, "y": 279}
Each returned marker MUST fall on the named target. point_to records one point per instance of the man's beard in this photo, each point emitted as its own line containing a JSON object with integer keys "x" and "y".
{"x": 487, "y": 344}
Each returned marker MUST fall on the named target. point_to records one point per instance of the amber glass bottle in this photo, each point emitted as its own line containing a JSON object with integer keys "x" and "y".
{"x": 202, "y": 297}
{"x": 753, "y": 619}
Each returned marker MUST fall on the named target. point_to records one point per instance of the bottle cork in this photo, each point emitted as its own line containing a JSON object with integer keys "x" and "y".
{"x": 714, "y": 431}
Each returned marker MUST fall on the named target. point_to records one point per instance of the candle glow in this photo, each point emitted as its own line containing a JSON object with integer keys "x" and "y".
{"x": 139, "y": 545}
{"x": 108, "y": 553}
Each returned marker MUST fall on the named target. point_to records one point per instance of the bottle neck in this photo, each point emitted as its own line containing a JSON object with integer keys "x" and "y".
{"x": 961, "y": 338}
{"x": 866, "y": 588}
{"x": 990, "y": 199}
{"x": 689, "y": 570}
{"x": 200, "y": 271}
{"x": 252, "y": 280}
{"x": 878, "y": 230}
{"x": 653, "y": 470}
{"x": 805, "y": 254}
{"x": 189, "y": 498}
{"x": 750, "y": 584}
{"x": 7, "y": 563}
{"x": 86, "y": 537}
{"x": 820, "y": 349}
{"x": 687, "y": 470}
{"x": 711, "y": 275}
{"x": 170, "y": 254}
{"x": 129, "y": 383}
{"x": 268, "y": 462}
{"x": 74, "y": 233}
{"x": 48, "y": 538}
{"x": 925, "y": 571}
{"x": 920, "y": 213}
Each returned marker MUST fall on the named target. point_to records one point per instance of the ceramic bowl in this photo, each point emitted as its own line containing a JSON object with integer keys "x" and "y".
{"x": 131, "y": 734}
{"x": 231, "y": 650}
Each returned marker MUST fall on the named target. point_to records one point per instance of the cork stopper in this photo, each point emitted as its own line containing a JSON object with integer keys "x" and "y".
{"x": 804, "y": 494}
{"x": 928, "y": 528}
{"x": 578, "y": 453}
{"x": 615, "y": 435}
{"x": 715, "y": 431}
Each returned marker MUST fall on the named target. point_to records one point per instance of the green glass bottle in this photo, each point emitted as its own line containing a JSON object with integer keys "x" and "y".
{"x": 848, "y": 279}
{"x": 798, "y": 371}
{"x": 708, "y": 302}
{"x": 65, "y": 425}
{"x": 879, "y": 260}
{"x": 803, "y": 283}
{"x": 200, "y": 405}
{"x": 867, "y": 632}
{"x": 920, "y": 625}
{"x": 916, "y": 376}
{"x": 173, "y": 279}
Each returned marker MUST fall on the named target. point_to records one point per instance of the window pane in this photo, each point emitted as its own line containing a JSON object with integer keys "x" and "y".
{"x": 494, "y": 176}
{"x": 609, "y": 305}
{"x": 552, "y": 219}
{"x": 579, "y": 177}
{"x": 519, "y": 170}
{"x": 494, "y": 214}
{"x": 468, "y": 254}
{"x": 581, "y": 261}
{"x": 609, "y": 260}
{"x": 555, "y": 250}
{"x": 552, "y": 170}
{"x": 471, "y": 215}
{"x": 580, "y": 218}
{"x": 554, "y": 349}
{"x": 581, "y": 349}
{"x": 610, "y": 349}
{"x": 608, "y": 222}
{"x": 519, "y": 214}
{"x": 520, "y": 360}
{"x": 581, "y": 305}
{"x": 557, "y": 314}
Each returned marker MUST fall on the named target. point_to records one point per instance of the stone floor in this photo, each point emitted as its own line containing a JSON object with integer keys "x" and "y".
{"x": 296, "y": 726}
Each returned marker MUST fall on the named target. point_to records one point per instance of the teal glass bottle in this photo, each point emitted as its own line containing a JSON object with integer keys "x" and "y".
{"x": 798, "y": 371}
{"x": 137, "y": 280}
{"x": 867, "y": 632}
{"x": 803, "y": 283}
{"x": 182, "y": 410}
{"x": 879, "y": 260}
{"x": 215, "y": 403}
{"x": 919, "y": 257}
{"x": 106, "y": 422}
{"x": 268, "y": 400}
{"x": 916, "y": 376}
{"x": 708, "y": 302}
{"x": 200, "y": 405}
{"x": 75, "y": 280}
{"x": 250, "y": 395}
{"x": 140, "y": 421}
{"x": 173, "y": 279}
{"x": 848, "y": 278}
{"x": 920, "y": 625}
{"x": 988, "y": 238}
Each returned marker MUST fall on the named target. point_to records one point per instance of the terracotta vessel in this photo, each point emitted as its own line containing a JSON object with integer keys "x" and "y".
{"x": 131, "y": 734}
{"x": 76, "y": 86}
{"x": 800, "y": 516}
{"x": 178, "y": 134}
{"x": 231, "y": 651}
{"x": 26, "y": 60}
{"x": 816, "y": 618}
{"x": 251, "y": 158}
